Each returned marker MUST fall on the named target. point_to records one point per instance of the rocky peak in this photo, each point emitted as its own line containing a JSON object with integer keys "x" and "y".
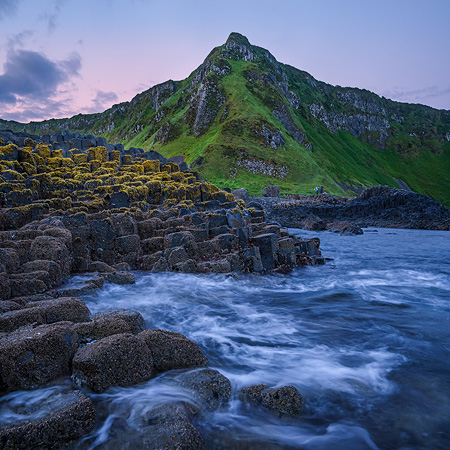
{"x": 238, "y": 47}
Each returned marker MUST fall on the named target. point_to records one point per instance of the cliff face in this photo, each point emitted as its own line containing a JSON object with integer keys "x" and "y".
{"x": 244, "y": 119}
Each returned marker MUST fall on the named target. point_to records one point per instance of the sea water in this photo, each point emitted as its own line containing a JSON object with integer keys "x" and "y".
{"x": 365, "y": 339}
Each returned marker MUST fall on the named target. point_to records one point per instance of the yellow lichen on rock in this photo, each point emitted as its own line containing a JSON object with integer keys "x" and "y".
{"x": 58, "y": 153}
{"x": 151, "y": 166}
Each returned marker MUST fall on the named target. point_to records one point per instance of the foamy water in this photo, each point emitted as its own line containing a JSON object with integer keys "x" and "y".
{"x": 365, "y": 339}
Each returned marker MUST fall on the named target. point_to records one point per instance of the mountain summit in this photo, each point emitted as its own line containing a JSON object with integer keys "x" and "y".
{"x": 243, "y": 119}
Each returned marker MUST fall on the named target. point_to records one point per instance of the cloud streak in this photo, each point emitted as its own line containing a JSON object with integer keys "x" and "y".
{"x": 102, "y": 101}
{"x": 8, "y": 8}
{"x": 30, "y": 74}
{"x": 416, "y": 95}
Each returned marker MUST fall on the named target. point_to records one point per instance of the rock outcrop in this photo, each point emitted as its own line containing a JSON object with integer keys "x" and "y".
{"x": 380, "y": 206}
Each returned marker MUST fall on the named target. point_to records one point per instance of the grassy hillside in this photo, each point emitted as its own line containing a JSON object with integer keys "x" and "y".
{"x": 245, "y": 120}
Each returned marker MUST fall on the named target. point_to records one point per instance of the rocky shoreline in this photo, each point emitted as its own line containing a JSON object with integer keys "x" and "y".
{"x": 379, "y": 206}
{"x": 103, "y": 211}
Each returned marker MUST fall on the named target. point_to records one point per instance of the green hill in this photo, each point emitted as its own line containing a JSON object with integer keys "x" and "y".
{"x": 245, "y": 120}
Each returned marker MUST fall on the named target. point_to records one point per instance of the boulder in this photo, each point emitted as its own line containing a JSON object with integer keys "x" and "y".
{"x": 108, "y": 323}
{"x": 241, "y": 194}
{"x": 30, "y": 357}
{"x": 118, "y": 360}
{"x": 119, "y": 277}
{"x": 209, "y": 386}
{"x": 345, "y": 228}
{"x": 284, "y": 400}
{"x": 51, "y": 267}
{"x": 56, "y": 420}
{"x": 100, "y": 266}
{"x": 171, "y": 350}
{"x": 169, "y": 427}
{"x": 52, "y": 249}
{"x": 271, "y": 191}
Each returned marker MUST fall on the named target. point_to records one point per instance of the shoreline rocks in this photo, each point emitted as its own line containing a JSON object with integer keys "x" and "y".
{"x": 379, "y": 206}
{"x": 102, "y": 211}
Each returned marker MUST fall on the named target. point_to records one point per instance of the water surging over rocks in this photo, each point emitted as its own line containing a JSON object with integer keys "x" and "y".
{"x": 106, "y": 211}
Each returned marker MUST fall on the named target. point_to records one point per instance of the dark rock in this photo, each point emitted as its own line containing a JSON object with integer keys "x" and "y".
{"x": 169, "y": 427}
{"x": 118, "y": 360}
{"x": 108, "y": 323}
{"x": 54, "y": 422}
{"x": 314, "y": 224}
{"x": 172, "y": 350}
{"x": 30, "y": 357}
{"x": 50, "y": 311}
{"x": 51, "y": 267}
{"x": 252, "y": 260}
{"x": 100, "y": 266}
{"x": 102, "y": 241}
{"x": 210, "y": 387}
{"x": 184, "y": 239}
{"x": 344, "y": 228}
{"x": 26, "y": 286}
{"x": 241, "y": 194}
{"x": 271, "y": 191}
{"x": 119, "y": 277}
{"x": 284, "y": 400}
{"x": 52, "y": 249}
{"x": 5, "y": 288}
{"x": 268, "y": 247}
{"x": 123, "y": 225}
{"x": 128, "y": 244}
{"x": 10, "y": 259}
{"x": 188, "y": 266}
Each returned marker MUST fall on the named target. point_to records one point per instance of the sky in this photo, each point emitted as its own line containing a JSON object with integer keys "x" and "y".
{"x": 59, "y": 58}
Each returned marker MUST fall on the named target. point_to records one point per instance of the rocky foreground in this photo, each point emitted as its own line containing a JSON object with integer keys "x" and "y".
{"x": 101, "y": 210}
{"x": 379, "y": 206}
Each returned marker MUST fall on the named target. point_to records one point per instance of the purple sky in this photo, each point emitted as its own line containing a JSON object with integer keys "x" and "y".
{"x": 62, "y": 57}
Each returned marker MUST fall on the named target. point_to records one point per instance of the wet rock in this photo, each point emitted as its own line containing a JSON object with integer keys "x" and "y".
{"x": 170, "y": 428}
{"x": 118, "y": 360}
{"x": 119, "y": 277}
{"x": 52, "y": 268}
{"x": 152, "y": 245}
{"x": 177, "y": 255}
{"x": 252, "y": 260}
{"x": 184, "y": 239}
{"x": 26, "y": 285}
{"x": 314, "y": 223}
{"x": 345, "y": 228}
{"x": 210, "y": 387}
{"x": 108, "y": 323}
{"x": 284, "y": 400}
{"x": 189, "y": 266}
{"x": 171, "y": 350}
{"x": 128, "y": 244}
{"x": 30, "y": 357}
{"x": 221, "y": 266}
{"x": 100, "y": 266}
{"x": 268, "y": 247}
{"x": 52, "y": 423}
{"x": 52, "y": 249}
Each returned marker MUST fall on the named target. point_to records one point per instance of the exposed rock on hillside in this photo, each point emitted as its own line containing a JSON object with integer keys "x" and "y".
{"x": 243, "y": 113}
